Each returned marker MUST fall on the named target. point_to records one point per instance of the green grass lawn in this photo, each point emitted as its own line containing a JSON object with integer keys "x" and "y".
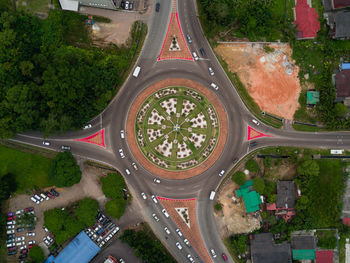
{"x": 30, "y": 170}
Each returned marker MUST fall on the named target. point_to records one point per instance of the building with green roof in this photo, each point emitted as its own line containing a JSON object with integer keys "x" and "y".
{"x": 251, "y": 199}
{"x": 312, "y": 97}
{"x": 303, "y": 254}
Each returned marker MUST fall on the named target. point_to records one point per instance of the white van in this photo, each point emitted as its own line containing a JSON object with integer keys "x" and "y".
{"x": 212, "y": 195}
{"x": 136, "y": 72}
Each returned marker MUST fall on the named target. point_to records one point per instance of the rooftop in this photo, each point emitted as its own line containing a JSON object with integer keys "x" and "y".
{"x": 324, "y": 256}
{"x": 307, "y": 20}
{"x": 264, "y": 250}
{"x": 303, "y": 242}
{"x": 303, "y": 254}
{"x": 285, "y": 194}
{"x": 340, "y": 3}
{"x": 251, "y": 199}
{"x": 342, "y": 80}
{"x": 342, "y": 22}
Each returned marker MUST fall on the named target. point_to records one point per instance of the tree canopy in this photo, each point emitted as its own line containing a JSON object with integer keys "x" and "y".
{"x": 86, "y": 211}
{"x": 64, "y": 170}
{"x": 113, "y": 185}
{"x": 252, "y": 166}
{"x": 239, "y": 178}
{"x": 116, "y": 207}
{"x": 259, "y": 185}
{"x": 36, "y": 254}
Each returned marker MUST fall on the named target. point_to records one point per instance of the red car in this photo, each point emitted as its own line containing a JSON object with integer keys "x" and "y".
{"x": 29, "y": 209}
{"x": 30, "y": 246}
{"x": 224, "y": 256}
{"x": 9, "y": 218}
{"x": 12, "y": 248}
{"x": 24, "y": 251}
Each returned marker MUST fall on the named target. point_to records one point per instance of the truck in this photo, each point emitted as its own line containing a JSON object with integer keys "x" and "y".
{"x": 136, "y": 71}
{"x": 212, "y": 195}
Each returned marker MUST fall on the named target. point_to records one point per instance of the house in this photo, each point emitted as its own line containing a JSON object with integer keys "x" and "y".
{"x": 306, "y": 18}
{"x": 337, "y": 18}
{"x": 285, "y": 200}
{"x": 73, "y": 5}
{"x": 342, "y": 84}
{"x": 264, "y": 250}
{"x": 312, "y": 98}
{"x": 250, "y": 197}
{"x": 324, "y": 256}
{"x": 303, "y": 246}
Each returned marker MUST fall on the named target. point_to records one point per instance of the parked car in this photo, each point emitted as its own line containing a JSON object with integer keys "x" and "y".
{"x": 195, "y": 56}
{"x": 10, "y": 231}
{"x": 40, "y": 199}
{"x": 54, "y": 192}
{"x": 131, "y": 5}
{"x": 10, "y": 245}
{"x": 88, "y": 126}
{"x": 214, "y": 86}
{"x": 115, "y": 231}
{"x": 121, "y": 153}
{"x": 122, "y": 134}
{"x": 189, "y": 38}
{"x": 8, "y": 241}
{"x": 155, "y": 217}
{"x": 11, "y": 248}
{"x": 178, "y": 232}
{"x": 45, "y": 197}
{"x": 46, "y": 143}
{"x": 10, "y": 227}
{"x": 157, "y": 7}
{"x": 190, "y": 258}
{"x": 21, "y": 238}
{"x": 212, "y": 251}
{"x": 211, "y": 71}
{"x": 256, "y": 122}
{"x": 156, "y": 180}
{"x": 166, "y": 230}
{"x": 126, "y": 5}
{"x": 165, "y": 213}
{"x": 224, "y": 257}
{"x": 127, "y": 171}
{"x": 144, "y": 196}
{"x": 30, "y": 234}
{"x": 178, "y": 245}
{"x": 50, "y": 195}
{"x": 35, "y": 200}
{"x": 11, "y": 253}
{"x": 222, "y": 172}
{"x": 29, "y": 209}
{"x": 20, "y": 229}
{"x": 11, "y": 236}
{"x": 135, "y": 166}
{"x": 31, "y": 242}
{"x": 202, "y": 52}
{"x": 45, "y": 228}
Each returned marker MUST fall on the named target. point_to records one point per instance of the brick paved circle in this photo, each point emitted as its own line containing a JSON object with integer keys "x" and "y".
{"x": 131, "y": 138}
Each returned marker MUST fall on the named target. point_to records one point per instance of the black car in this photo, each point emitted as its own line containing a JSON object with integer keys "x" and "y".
{"x": 11, "y": 253}
{"x": 54, "y": 192}
{"x": 131, "y": 5}
{"x": 157, "y": 7}
{"x": 20, "y": 229}
{"x": 202, "y": 52}
{"x": 30, "y": 228}
{"x": 22, "y": 256}
{"x": 11, "y": 236}
{"x": 235, "y": 160}
{"x": 252, "y": 144}
{"x": 122, "y": 4}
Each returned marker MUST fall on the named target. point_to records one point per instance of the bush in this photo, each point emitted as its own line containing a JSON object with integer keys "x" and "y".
{"x": 218, "y": 207}
{"x": 112, "y": 185}
{"x": 116, "y": 207}
{"x": 86, "y": 211}
{"x": 252, "y": 166}
{"x": 36, "y": 254}
{"x": 239, "y": 243}
{"x": 64, "y": 170}
{"x": 239, "y": 178}
{"x": 259, "y": 185}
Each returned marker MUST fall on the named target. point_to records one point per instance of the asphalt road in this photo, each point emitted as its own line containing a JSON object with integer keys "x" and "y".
{"x": 114, "y": 117}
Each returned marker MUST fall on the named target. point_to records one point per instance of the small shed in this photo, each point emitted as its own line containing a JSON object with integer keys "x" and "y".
{"x": 251, "y": 199}
{"x": 312, "y": 97}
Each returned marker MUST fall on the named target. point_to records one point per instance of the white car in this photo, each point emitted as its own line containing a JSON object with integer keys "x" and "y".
{"x": 155, "y": 217}
{"x": 126, "y": 5}
{"x": 101, "y": 244}
{"x": 121, "y": 153}
{"x": 154, "y": 199}
{"x": 214, "y": 86}
{"x": 222, "y": 172}
{"x": 157, "y": 181}
{"x": 10, "y": 245}
{"x": 23, "y": 247}
{"x": 30, "y": 234}
{"x": 115, "y": 231}
{"x": 35, "y": 200}
{"x": 127, "y": 171}
{"x": 99, "y": 239}
{"x": 21, "y": 243}
{"x": 178, "y": 245}
{"x": 47, "y": 242}
{"x": 45, "y": 228}
{"x": 211, "y": 71}
{"x": 20, "y": 238}
{"x": 10, "y": 227}
{"x": 178, "y": 232}
{"x": 45, "y": 197}
{"x": 18, "y": 212}
{"x": 143, "y": 195}
{"x": 88, "y": 126}
{"x": 107, "y": 239}
{"x": 40, "y": 199}
{"x": 195, "y": 56}
{"x": 166, "y": 230}
{"x": 135, "y": 166}
{"x": 190, "y": 258}
{"x": 49, "y": 238}
{"x": 11, "y": 222}
{"x": 165, "y": 213}
{"x": 31, "y": 242}
{"x": 8, "y": 232}
{"x": 187, "y": 242}
{"x": 213, "y": 253}
{"x": 255, "y": 121}
{"x": 47, "y": 143}
{"x": 122, "y": 134}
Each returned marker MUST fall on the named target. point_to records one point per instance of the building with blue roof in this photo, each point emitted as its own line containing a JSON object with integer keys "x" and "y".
{"x": 345, "y": 66}
{"x": 81, "y": 249}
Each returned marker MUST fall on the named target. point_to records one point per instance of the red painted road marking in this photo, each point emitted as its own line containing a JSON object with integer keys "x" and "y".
{"x": 98, "y": 136}
{"x": 169, "y": 199}
{"x": 255, "y": 136}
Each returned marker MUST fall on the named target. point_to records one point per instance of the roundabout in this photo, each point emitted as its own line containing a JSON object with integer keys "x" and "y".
{"x": 176, "y": 128}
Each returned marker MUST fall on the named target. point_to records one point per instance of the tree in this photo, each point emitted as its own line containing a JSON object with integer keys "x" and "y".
{"x": 64, "y": 170}
{"x": 113, "y": 185}
{"x": 239, "y": 178}
{"x": 36, "y": 254}
{"x": 8, "y": 184}
{"x": 340, "y": 109}
{"x": 86, "y": 211}
{"x": 252, "y": 166}
{"x": 308, "y": 168}
{"x": 116, "y": 207}
{"x": 259, "y": 185}
{"x": 218, "y": 207}
{"x": 239, "y": 242}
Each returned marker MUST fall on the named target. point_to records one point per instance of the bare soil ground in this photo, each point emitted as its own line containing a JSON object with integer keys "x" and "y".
{"x": 118, "y": 30}
{"x": 264, "y": 75}
{"x": 233, "y": 218}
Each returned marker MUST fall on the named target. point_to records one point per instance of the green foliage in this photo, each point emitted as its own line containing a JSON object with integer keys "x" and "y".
{"x": 116, "y": 207}
{"x": 49, "y": 67}
{"x": 252, "y": 166}
{"x": 308, "y": 168}
{"x": 64, "y": 170}
{"x": 218, "y": 207}
{"x": 8, "y": 185}
{"x": 268, "y": 162}
{"x": 30, "y": 170}
{"x": 239, "y": 178}
{"x": 239, "y": 243}
{"x": 259, "y": 185}
{"x": 36, "y": 254}
{"x": 340, "y": 109}
{"x": 272, "y": 198}
{"x": 326, "y": 239}
{"x": 270, "y": 189}
{"x": 86, "y": 211}
{"x": 151, "y": 250}
{"x": 268, "y": 49}
{"x": 65, "y": 224}
{"x": 113, "y": 185}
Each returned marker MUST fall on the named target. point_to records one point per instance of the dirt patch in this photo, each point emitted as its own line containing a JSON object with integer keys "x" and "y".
{"x": 233, "y": 219}
{"x": 271, "y": 78}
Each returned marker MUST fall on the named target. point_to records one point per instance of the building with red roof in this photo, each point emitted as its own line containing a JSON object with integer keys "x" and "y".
{"x": 306, "y": 19}
{"x": 324, "y": 256}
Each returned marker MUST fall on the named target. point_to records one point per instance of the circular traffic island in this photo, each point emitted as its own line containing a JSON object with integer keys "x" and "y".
{"x": 176, "y": 128}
